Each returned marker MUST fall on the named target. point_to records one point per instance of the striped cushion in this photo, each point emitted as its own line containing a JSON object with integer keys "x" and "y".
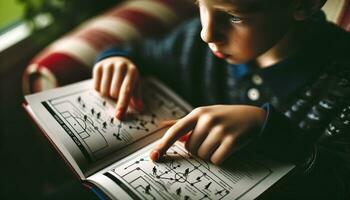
{"x": 70, "y": 58}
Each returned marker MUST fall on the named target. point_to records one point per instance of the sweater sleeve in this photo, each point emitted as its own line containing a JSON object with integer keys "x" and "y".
{"x": 319, "y": 143}
{"x": 281, "y": 139}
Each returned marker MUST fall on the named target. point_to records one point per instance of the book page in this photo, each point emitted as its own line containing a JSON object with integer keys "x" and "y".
{"x": 85, "y": 121}
{"x": 183, "y": 176}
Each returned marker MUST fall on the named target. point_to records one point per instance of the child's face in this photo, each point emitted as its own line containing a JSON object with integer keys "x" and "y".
{"x": 243, "y": 30}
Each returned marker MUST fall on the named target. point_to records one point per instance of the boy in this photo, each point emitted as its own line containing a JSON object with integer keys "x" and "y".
{"x": 262, "y": 76}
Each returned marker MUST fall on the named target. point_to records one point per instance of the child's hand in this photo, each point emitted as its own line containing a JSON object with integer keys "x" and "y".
{"x": 118, "y": 78}
{"x": 216, "y": 131}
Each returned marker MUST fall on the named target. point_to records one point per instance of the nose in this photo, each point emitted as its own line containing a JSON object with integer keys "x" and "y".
{"x": 210, "y": 32}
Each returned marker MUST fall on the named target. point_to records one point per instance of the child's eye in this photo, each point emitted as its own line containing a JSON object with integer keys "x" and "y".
{"x": 235, "y": 20}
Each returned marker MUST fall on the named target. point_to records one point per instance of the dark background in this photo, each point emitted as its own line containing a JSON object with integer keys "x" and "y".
{"x": 30, "y": 168}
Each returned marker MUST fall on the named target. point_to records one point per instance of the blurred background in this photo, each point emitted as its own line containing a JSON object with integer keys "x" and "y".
{"x": 26, "y": 27}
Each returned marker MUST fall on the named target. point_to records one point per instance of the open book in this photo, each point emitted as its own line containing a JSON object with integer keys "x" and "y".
{"x": 113, "y": 155}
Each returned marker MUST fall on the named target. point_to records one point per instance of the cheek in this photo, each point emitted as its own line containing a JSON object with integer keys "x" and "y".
{"x": 242, "y": 44}
{"x": 270, "y": 32}
{"x": 247, "y": 43}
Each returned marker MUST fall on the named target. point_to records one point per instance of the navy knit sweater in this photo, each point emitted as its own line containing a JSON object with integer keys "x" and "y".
{"x": 307, "y": 97}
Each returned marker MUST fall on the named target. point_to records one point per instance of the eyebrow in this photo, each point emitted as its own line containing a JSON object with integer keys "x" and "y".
{"x": 239, "y": 10}
{"x": 253, "y": 6}
{"x": 240, "y": 6}
{"x": 246, "y": 6}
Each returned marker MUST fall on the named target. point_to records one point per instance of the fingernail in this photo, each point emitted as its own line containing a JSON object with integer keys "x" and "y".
{"x": 154, "y": 155}
{"x": 119, "y": 114}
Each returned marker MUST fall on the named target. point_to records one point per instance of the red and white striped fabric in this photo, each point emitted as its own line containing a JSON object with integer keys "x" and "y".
{"x": 338, "y": 12}
{"x": 71, "y": 58}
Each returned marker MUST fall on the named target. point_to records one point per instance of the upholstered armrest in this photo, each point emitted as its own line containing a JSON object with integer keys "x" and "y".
{"x": 71, "y": 58}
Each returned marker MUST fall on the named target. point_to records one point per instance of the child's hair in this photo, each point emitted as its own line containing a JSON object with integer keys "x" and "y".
{"x": 312, "y": 8}
{"x": 309, "y": 6}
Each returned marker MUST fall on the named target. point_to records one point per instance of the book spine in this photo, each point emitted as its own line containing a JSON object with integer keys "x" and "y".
{"x": 96, "y": 190}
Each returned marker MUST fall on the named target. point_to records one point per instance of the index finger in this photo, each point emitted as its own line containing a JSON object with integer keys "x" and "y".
{"x": 180, "y": 128}
{"x": 126, "y": 91}
{"x": 97, "y": 74}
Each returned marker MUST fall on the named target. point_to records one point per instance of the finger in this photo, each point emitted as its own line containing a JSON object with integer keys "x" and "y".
{"x": 106, "y": 78}
{"x": 181, "y": 127}
{"x": 137, "y": 97}
{"x": 209, "y": 145}
{"x": 125, "y": 92}
{"x": 117, "y": 79}
{"x": 226, "y": 148}
{"x": 167, "y": 122}
{"x": 198, "y": 135}
{"x": 97, "y": 75}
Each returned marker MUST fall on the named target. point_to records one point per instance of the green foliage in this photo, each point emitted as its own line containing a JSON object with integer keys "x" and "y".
{"x": 10, "y": 13}
{"x": 66, "y": 13}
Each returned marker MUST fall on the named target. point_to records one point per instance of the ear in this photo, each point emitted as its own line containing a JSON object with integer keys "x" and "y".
{"x": 305, "y": 8}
